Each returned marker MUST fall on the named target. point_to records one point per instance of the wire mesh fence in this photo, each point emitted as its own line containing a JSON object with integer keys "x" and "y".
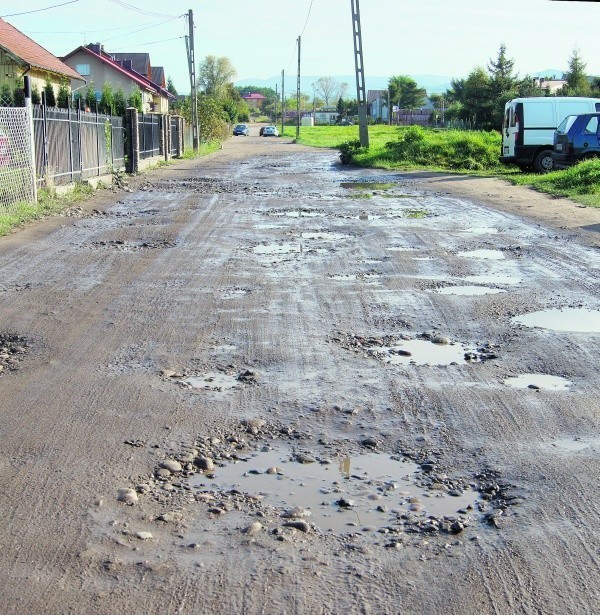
{"x": 17, "y": 172}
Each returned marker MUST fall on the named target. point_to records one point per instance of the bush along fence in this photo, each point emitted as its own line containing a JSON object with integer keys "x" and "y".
{"x": 46, "y": 146}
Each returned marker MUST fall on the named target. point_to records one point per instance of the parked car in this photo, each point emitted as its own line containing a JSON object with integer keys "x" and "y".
{"x": 241, "y": 129}
{"x": 529, "y": 125}
{"x": 270, "y": 131}
{"x": 577, "y": 138}
{"x": 346, "y": 122}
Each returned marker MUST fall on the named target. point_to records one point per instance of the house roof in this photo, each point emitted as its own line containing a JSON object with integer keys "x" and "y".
{"x": 26, "y": 51}
{"x": 107, "y": 59}
{"x": 158, "y": 76}
{"x": 253, "y": 96}
{"x": 140, "y": 62}
{"x": 373, "y": 95}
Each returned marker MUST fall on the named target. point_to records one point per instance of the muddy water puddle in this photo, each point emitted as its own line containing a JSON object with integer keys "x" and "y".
{"x": 211, "y": 381}
{"x": 346, "y": 494}
{"x": 496, "y": 278}
{"x": 468, "y": 291}
{"x": 325, "y": 236}
{"x": 539, "y": 382}
{"x": 481, "y": 230}
{"x": 368, "y": 185}
{"x": 575, "y": 320}
{"x": 574, "y": 444}
{"x": 424, "y": 352}
{"x": 495, "y": 255}
{"x": 297, "y": 213}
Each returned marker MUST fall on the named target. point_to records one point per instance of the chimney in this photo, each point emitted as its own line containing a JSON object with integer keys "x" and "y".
{"x": 127, "y": 65}
{"x": 95, "y": 47}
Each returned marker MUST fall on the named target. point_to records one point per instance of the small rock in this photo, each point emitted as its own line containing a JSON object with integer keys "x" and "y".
{"x": 440, "y": 339}
{"x": 369, "y": 442}
{"x": 298, "y": 524}
{"x": 129, "y": 496}
{"x": 144, "y": 535}
{"x": 344, "y": 503}
{"x": 304, "y": 458}
{"x": 171, "y": 465}
{"x": 171, "y": 517}
{"x": 253, "y": 528}
{"x": 204, "y": 463}
{"x": 295, "y": 513}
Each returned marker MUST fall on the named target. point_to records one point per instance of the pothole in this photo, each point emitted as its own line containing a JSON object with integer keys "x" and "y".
{"x": 576, "y": 320}
{"x": 364, "y": 492}
{"x": 133, "y": 246}
{"x": 221, "y": 379}
{"x": 13, "y": 347}
{"x": 468, "y": 290}
{"x": 276, "y": 249}
{"x": 495, "y": 255}
{"x": 236, "y": 293}
{"x": 539, "y": 381}
{"x": 496, "y": 278}
{"x": 300, "y": 212}
{"x": 367, "y": 185}
{"x": 574, "y": 445}
{"x": 426, "y": 350}
{"x": 325, "y": 236}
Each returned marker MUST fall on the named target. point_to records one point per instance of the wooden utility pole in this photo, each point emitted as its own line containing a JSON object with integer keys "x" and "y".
{"x": 298, "y": 95}
{"x": 189, "y": 43}
{"x": 361, "y": 95}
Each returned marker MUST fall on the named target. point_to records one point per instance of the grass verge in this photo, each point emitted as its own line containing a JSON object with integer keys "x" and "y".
{"x": 49, "y": 202}
{"x": 468, "y": 152}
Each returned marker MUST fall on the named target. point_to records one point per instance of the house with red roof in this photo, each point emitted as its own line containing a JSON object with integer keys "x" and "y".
{"x": 254, "y": 100}
{"x": 20, "y": 55}
{"x": 119, "y": 70}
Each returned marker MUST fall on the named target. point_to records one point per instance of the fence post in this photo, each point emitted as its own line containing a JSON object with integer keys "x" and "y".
{"x": 132, "y": 149}
{"x": 180, "y": 136}
{"x": 45, "y": 134}
{"x": 29, "y": 107}
{"x": 166, "y": 136}
{"x": 70, "y": 121}
{"x": 79, "y": 140}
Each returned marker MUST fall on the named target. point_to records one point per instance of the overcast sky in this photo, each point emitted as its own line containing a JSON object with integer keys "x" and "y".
{"x": 435, "y": 37}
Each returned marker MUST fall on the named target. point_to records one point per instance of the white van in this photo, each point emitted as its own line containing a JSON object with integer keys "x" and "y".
{"x": 529, "y": 125}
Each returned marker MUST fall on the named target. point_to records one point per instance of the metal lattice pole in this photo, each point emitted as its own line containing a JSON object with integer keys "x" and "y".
{"x": 361, "y": 96}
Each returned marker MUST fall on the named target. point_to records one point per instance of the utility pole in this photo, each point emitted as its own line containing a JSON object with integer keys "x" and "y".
{"x": 298, "y": 95}
{"x": 282, "y": 101}
{"x": 361, "y": 96}
{"x": 276, "y": 99}
{"x": 189, "y": 43}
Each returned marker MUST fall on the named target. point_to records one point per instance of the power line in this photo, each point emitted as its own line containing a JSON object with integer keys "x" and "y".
{"x": 54, "y": 6}
{"x": 131, "y": 7}
{"x": 307, "y": 18}
{"x": 150, "y": 43}
{"x": 162, "y": 23}
{"x": 76, "y": 32}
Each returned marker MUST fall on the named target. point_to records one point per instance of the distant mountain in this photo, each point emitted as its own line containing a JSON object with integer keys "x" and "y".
{"x": 551, "y": 72}
{"x": 432, "y": 83}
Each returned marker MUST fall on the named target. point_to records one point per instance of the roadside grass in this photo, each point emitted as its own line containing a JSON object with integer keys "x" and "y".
{"x": 412, "y": 148}
{"x": 51, "y": 203}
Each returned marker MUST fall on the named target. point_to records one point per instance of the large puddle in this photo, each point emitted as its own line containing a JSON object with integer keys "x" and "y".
{"x": 539, "y": 381}
{"x": 213, "y": 381}
{"x": 494, "y": 255}
{"x": 347, "y": 494}
{"x": 325, "y": 236}
{"x": 425, "y": 352}
{"x": 468, "y": 291}
{"x": 576, "y": 320}
{"x": 495, "y": 278}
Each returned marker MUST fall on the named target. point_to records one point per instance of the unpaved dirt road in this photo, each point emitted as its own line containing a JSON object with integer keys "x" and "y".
{"x": 261, "y": 383}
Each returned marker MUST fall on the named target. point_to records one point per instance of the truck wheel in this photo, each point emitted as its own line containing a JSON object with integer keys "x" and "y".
{"x": 543, "y": 163}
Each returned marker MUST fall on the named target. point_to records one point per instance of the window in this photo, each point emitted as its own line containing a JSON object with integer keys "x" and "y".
{"x": 592, "y": 126}
{"x": 83, "y": 69}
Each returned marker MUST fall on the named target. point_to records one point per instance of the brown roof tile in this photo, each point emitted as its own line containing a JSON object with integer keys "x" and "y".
{"x": 29, "y": 52}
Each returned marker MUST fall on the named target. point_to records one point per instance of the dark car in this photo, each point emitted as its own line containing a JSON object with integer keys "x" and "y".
{"x": 241, "y": 129}
{"x": 577, "y": 138}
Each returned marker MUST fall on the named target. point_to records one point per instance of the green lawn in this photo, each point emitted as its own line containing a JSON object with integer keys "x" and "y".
{"x": 472, "y": 152}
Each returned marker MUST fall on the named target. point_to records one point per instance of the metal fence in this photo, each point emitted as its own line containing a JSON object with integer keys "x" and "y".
{"x": 149, "y": 127}
{"x": 72, "y": 145}
{"x": 17, "y": 171}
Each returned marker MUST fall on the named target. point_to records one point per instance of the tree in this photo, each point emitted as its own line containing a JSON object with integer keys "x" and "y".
{"x": 135, "y": 100}
{"x": 171, "y": 87}
{"x": 107, "y": 100}
{"x": 120, "y": 103}
{"x": 63, "y": 98}
{"x": 503, "y": 85}
{"x": 577, "y": 81}
{"x": 49, "y": 92}
{"x": 329, "y": 89}
{"x": 90, "y": 98}
{"x": 214, "y": 74}
{"x": 36, "y": 98}
{"x": 405, "y": 92}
